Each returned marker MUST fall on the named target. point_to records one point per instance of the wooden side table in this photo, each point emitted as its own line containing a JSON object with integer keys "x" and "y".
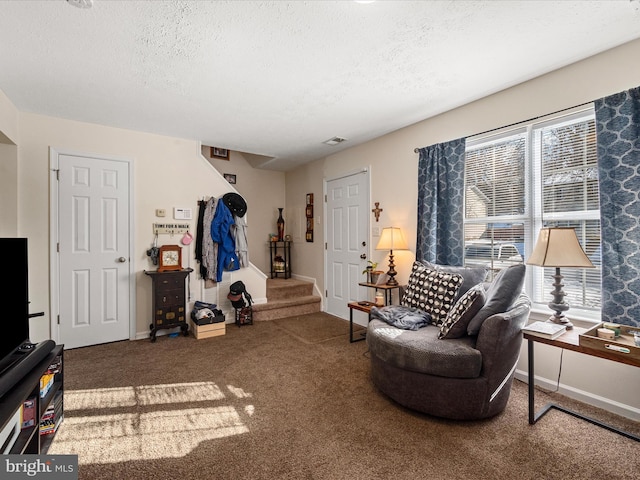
{"x": 569, "y": 341}
{"x": 387, "y": 289}
{"x": 361, "y": 307}
{"x": 280, "y": 267}
{"x": 366, "y": 306}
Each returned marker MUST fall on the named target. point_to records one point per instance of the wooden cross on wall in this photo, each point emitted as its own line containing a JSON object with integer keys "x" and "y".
{"x": 376, "y": 211}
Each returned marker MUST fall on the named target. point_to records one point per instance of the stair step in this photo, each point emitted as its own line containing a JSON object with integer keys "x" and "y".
{"x": 278, "y": 288}
{"x": 287, "y": 298}
{"x": 267, "y": 311}
{"x": 286, "y": 302}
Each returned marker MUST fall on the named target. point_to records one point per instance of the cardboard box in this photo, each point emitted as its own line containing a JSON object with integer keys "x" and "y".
{"x": 623, "y": 346}
{"x": 209, "y": 330}
{"x": 208, "y": 320}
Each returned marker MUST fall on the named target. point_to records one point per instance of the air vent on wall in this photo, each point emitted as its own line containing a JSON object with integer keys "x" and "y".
{"x": 81, "y": 3}
{"x": 335, "y": 141}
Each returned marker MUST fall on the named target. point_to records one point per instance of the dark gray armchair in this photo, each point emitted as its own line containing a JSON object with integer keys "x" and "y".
{"x": 466, "y": 378}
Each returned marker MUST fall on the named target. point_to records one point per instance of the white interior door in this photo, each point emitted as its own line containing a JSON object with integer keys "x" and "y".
{"x": 94, "y": 250}
{"x": 347, "y": 240}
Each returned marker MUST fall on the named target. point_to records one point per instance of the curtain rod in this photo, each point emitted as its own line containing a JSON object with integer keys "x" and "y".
{"x": 417, "y": 150}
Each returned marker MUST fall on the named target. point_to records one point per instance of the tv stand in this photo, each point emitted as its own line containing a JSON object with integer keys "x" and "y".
{"x": 29, "y": 440}
{"x": 21, "y": 361}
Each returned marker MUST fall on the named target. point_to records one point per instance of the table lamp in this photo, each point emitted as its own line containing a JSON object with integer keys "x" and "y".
{"x": 392, "y": 239}
{"x": 559, "y": 247}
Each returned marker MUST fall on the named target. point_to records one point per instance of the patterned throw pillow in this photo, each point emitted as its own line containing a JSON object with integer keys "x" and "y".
{"x": 471, "y": 275}
{"x": 458, "y": 318}
{"x": 432, "y": 291}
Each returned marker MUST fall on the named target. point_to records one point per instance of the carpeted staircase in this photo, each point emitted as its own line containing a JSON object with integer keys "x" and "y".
{"x": 286, "y": 298}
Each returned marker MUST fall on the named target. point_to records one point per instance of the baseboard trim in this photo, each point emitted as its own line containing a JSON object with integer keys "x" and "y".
{"x": 612, "y": 406}
{"x": 316, "y": 290}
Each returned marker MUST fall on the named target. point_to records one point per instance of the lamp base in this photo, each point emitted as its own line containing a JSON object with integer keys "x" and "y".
{"x": 561, "y": 320}
{"x": 558, "y": 304}
{"x": 391, "y": 273}
{"x": 392, "y": 282}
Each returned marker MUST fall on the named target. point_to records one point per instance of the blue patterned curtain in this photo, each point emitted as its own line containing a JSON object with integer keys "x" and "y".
{"x": 440, "y": 236}
{"x": 618, "y": 137}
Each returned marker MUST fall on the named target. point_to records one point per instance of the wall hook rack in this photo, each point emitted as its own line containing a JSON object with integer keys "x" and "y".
{"x": 170, "y": 228}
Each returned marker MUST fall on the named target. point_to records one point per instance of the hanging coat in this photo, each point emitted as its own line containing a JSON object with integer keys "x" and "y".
{"x": 209, "y": 247}
{"x": 221, "y": 234}
{"x": 240, "y": 236}
{"x": 200, "y": 232}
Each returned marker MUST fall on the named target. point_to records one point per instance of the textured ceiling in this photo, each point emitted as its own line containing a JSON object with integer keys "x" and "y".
{"x": 276, "y": 79}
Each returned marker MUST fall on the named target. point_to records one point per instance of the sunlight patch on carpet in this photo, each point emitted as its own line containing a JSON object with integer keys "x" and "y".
{"x": 142, "y": 395}
{"x": 145, "y": 436}
{"x": 97, "y": 436}
{"x": 238, "y": 392}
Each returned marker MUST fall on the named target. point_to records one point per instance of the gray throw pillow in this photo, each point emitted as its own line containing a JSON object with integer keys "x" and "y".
{"x": 471, "y": 275}
{"x": 458, "y": 318}
{"x": 502, "y": 292}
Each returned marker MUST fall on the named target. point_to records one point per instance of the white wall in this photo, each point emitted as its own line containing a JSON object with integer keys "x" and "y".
{"x": 264, "y": 192}
{"x": 307, "y": 258}
{"x": 8, "y": 168}
{"x": 8, "y": 190}
{"x": 393, "y": 165}
{"x": 8, "y": 120}
{"x": 167, "y": 172}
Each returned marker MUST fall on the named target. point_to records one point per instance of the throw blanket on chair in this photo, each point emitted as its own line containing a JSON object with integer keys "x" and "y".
{"x": 399, "y": 316}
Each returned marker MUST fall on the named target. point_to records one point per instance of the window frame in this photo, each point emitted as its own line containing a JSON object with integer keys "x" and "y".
{"x": 532, "y": 218}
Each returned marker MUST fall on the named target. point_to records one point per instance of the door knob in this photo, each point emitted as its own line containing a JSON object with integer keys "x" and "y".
{"x": 122, "y": 259}
{"x": 363, "y": 256}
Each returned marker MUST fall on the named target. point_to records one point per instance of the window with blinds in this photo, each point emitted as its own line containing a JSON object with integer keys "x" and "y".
{"x": 542, "y": 174}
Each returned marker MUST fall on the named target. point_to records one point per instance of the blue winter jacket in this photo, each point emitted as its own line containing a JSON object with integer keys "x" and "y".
{"x": 221, "y": 234}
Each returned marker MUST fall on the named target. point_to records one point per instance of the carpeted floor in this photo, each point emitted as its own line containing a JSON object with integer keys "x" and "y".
{"x": 287, "y": 401}
{"x": 316, "y": 328}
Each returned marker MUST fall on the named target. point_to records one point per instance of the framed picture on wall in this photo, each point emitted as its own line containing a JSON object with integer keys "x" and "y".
{"x": 230, "y": 177}
{"x": 309, "y": 234}
{"x": 309, "y": 198}
{"x": 219, "y": 153}
{"x": 309, "y": 211}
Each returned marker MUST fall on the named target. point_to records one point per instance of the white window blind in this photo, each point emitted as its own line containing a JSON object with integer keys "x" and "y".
{"x": 543, "y": 174}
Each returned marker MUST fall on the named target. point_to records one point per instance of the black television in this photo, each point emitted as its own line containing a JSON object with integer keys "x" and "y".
{"x": 18, "y": 356}
{"x": 15, "y": 296}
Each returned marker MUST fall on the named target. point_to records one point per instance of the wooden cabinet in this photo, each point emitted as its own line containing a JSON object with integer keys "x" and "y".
{"x": 42, "y": 388}
{"x": 168, "y": 301}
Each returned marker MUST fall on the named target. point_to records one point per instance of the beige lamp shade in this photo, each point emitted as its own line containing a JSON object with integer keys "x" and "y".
{"x": 392, "y": 239}
{"x": 559, "y": 247}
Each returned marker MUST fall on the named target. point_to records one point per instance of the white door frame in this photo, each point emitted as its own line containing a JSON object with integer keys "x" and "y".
{"x": 54, "y": 238}
{"x": 367, "y": 172}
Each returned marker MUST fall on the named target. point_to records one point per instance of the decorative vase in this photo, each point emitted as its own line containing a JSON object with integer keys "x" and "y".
{"x": 280, "y": 225}
{"x": 369, "y": 271}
